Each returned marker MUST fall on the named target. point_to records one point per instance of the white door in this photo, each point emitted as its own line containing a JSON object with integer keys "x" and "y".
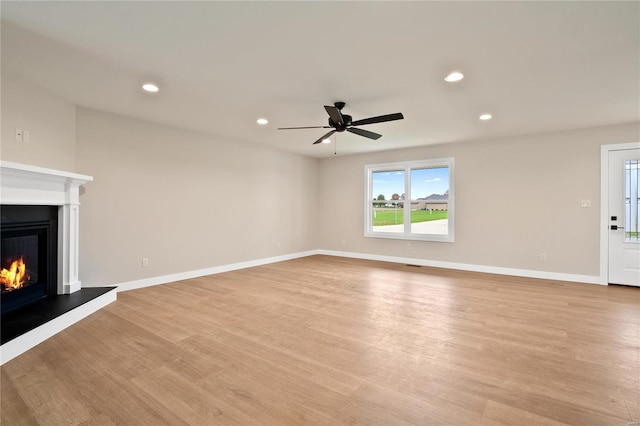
{"x": 624, "y": 241}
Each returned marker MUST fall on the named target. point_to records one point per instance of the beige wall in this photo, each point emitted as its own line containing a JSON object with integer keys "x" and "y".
{"x": 188, "y": 201}
{"x": 185, "y": 200}
{"x": 49, "y": 119}
{"x": 515, "y": 198}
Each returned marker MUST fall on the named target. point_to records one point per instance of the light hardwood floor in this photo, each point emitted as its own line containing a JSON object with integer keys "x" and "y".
{"x": 325, "y": 340}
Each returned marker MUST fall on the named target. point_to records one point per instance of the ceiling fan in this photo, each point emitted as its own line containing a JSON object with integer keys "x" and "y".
{"x": 340, "y": 122}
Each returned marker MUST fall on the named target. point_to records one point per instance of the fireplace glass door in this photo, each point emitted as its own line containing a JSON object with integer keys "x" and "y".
{"x": 28, "y": 255}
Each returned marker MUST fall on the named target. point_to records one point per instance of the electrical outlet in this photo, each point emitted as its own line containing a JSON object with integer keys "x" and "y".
{"x": 25, "y": 135}
{"x": 18, "y": 135}
{"x": 145, "y": 262}
{"x": 585, "y": 203}
{"x": 543, "y": 257}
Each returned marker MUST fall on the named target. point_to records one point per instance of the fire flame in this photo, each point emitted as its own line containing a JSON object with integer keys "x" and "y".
{"x": 14, "y": 277}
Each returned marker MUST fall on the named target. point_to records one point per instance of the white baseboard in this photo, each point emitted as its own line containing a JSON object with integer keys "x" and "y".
{"x": 71, "y": 287}
{"x": 545, "y": 275}
{"x": 164, "y": 279}
{"x": 23, "y": 343}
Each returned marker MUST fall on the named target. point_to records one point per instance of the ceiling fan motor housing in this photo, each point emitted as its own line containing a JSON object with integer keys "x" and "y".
{"x": 341, "y": 127}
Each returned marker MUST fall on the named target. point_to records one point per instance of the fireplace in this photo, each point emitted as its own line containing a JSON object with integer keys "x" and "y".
{"x": 24, "y": 186}
{"x": 40, "y": 255}
{"x": 28, "y": 255}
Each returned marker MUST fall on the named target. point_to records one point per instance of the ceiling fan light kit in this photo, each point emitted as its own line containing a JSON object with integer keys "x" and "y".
{"x": 340, "y": 122}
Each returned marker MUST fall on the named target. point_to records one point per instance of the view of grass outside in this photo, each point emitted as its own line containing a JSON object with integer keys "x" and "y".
{"x": 419, "y": 190}
{"x": 391, "y": 216}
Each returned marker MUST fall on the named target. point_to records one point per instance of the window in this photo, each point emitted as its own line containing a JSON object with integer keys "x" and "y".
{"x": 411, "y": 200}
{"x": 632, "y": 199}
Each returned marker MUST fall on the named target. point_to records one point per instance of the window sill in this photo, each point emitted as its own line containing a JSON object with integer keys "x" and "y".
{"x": 412, "y": 237}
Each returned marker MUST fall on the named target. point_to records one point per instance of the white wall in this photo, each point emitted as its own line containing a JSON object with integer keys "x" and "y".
{"x": 49, "y": 119}
{"x": 185, "y": 200}
{"x": 515, "y": 198}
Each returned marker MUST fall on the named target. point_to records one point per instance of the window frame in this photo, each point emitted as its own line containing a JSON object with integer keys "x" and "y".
{"x": 407, "y": 166}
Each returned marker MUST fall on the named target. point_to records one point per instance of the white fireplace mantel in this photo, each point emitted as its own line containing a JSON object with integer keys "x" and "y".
{"x": 22, "y": 184}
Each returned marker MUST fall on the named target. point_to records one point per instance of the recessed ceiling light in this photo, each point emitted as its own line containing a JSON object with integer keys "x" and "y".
{"x": 150, "y": 87}
{"x": 485, "y": 117}
{"x": 327, "y": 140}
{"x": 454, "y": 76}
{"x": 262, "y": 121}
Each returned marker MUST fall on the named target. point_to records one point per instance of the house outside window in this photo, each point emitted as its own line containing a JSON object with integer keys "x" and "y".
{"x": 412, "y": 200}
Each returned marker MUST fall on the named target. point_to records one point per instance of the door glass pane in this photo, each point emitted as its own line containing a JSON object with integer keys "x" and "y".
{"x": 430, "y": 200}
{"x": 388, "y": 200}
{"x": 631, "y": 200}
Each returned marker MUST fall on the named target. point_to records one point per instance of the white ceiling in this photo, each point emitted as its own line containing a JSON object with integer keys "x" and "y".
{"x": 536, "y": 66}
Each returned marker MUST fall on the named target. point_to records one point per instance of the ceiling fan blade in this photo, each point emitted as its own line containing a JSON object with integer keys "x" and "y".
{"x": 365, "y": 133}
{"x": 310, "y": 127}
{"x": 334, "y": 113}
{"x": 324, "y": 137}
{"x": 378, "y": 119}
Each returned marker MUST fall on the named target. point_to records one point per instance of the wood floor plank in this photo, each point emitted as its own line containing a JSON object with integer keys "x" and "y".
{"x": 12, "y": 405}
{"x": 322, "y": 372}
{"x": 327, "y": 340}
{"x": 497, "y": 414}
